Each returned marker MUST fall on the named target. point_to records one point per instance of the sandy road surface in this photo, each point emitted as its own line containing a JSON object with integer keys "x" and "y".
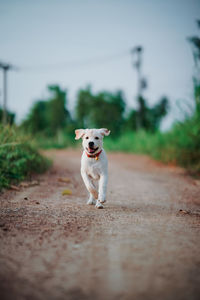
{"x": 139, "y": 247}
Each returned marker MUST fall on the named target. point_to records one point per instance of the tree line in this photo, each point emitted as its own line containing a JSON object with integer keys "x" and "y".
{"x": 92, "y": 110}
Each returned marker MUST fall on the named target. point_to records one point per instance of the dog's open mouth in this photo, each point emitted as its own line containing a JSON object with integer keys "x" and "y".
{"x": 92, "y": 150}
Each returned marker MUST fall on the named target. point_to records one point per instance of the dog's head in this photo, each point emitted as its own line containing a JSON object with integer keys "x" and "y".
{"x": 92, "y": 139}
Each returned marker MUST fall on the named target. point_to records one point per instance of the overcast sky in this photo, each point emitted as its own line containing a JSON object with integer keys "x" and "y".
{"x": 50, "y": 32}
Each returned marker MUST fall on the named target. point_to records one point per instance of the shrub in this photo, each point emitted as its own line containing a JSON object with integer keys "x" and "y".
{"x": 18, "y": 158}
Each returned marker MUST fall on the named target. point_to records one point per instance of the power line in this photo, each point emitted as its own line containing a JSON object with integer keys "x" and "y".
{"x": 62, "y": 65}
{"x": 76, "y": 63}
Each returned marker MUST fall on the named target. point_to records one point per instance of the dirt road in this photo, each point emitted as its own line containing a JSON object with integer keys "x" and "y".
{"x": 145, "y": 244}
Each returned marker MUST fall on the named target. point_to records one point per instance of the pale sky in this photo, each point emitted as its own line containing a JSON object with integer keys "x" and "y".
{"x": 51, "y": 32}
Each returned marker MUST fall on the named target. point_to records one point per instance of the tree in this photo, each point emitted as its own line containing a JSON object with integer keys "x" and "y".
{"x": 104, "y": 109}
{"x": 48, "y": 116}
{"x": 147, "y": 118}
{"x": 83, "y": 107}
{"x": 10, "y": 117}
{"x": 37, "y": 118}
{"x": 57, "y": 115}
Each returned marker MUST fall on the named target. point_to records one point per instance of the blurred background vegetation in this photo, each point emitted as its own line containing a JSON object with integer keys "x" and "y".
{"x": 50, "y": 124}
{"x": 19, "y": 158}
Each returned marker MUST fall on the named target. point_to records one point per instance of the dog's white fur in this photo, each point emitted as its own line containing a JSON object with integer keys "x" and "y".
{"x": 93, "y": 170}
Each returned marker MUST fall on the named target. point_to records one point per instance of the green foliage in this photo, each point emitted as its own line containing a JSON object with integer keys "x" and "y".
{"x": 57, "y": 115}
{"x": 64, "y": 138}
{"x": 10, "y": 117}
{"x": 48, "y": 116}
{"x": 184, "y": 142}
{"x": 145, "y": 117}
{"x": 181, "y": 145}
{"x": 84, "y": 102}
{"x": 37, "y": 119}
{"x": 108, "y": 110}
{"x": 18, "y": 158}
{"x": 136, "y": 142}
{"x": 104, "y": 109}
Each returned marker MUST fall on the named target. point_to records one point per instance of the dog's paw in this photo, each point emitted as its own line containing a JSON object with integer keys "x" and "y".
{"x": 91, "y": 202}
{"x": 102, "y": 201}
{"x": 99, "y": 205}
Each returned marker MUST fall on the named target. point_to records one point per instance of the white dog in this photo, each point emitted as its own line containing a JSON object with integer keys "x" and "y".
{"x": 94, "y": 165}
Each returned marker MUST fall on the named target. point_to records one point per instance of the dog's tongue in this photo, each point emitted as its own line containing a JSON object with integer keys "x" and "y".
{"x": 90, "y": 150}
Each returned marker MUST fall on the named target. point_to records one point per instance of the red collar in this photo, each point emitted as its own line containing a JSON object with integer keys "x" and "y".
{"x": 96, "y": 156}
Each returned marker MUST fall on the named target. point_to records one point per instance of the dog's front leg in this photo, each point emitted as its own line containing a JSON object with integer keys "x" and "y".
{"x": 89, "y": 185}
{"x": 102, "y": 190}
{"x": 91, "y": 200}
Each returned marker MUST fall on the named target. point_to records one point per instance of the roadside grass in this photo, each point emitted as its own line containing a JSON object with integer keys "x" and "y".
{"x": 180, "y": 145}
{"x": 63, "y": 139}
{"x": 18, "y": 157}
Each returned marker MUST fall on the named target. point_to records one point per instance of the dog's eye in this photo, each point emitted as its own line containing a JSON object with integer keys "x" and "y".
{"x": 87, "y": 138}
{"x": 96, "y": 138}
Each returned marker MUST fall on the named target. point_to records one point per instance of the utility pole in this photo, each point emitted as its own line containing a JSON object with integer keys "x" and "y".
{"x": 136, "y": 53}
{"x": 5, "y": 67}
{"x": 137, "y": 63}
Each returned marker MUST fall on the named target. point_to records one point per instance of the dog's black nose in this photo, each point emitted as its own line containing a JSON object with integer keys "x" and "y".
{"x": 91, "y": 144}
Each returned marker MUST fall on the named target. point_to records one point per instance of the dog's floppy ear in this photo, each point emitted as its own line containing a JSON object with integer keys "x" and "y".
{"x": 79, "y": 133}
{"x": 104, "y": 131}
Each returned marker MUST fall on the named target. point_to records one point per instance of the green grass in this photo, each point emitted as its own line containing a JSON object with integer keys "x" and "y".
{"x": 180, "y": 145}
{"x": 18, "y": 157}
{"x": 62, "y": 140}
{"x": 137, "y": 142}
